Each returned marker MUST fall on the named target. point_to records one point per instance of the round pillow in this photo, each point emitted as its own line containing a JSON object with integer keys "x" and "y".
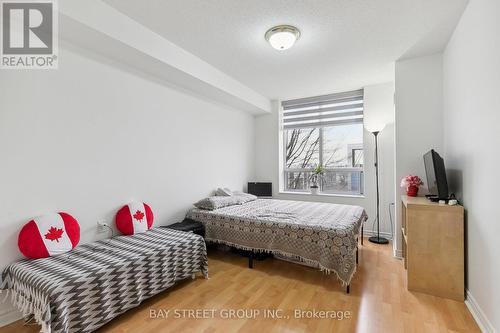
{"x": 134, "y": 218}
{"x": 48, "y": 235}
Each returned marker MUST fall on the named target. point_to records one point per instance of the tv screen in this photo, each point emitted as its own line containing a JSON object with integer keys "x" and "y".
{"x": 436, "y": 175}
{"x": 261, "y": 189}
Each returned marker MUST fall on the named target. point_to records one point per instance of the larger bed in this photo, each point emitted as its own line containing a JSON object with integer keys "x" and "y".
{"x": 321, "y": 234}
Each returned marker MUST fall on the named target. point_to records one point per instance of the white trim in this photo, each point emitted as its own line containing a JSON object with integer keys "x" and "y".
{"x": 398, "y": 254}
{"x": 478, "y": 314}
{"x": 9, "y": 317}
{"x": 369, "y": 233}
{"x": 321, "y": 194}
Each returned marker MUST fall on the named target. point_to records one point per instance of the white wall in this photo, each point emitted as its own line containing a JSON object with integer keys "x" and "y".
{"x": 472, "y": 141}
{"x": 419, "y": 121}
{"x": 379, "y": 107}
{"x": 87, "y": 138}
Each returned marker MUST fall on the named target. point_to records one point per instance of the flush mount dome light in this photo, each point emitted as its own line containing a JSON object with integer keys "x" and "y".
{"x": 282, "y": 37}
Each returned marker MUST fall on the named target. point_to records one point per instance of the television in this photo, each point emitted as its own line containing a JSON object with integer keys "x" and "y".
{"x": 436, "y": 176}
{"x": 260, "y": 189}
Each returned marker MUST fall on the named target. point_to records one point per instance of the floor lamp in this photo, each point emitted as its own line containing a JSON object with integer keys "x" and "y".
{"x": 377, "y": 239}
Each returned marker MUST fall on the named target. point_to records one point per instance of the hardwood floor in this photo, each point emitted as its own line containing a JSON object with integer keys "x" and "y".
{"x": 378, "y": 302}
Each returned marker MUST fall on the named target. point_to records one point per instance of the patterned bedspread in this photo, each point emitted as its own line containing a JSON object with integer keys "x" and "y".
{"x": 81, "y": 290}
{"x": 321, "y": 234}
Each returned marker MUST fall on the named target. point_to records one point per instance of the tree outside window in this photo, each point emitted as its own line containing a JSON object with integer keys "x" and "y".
{"x": 339, "y": 149}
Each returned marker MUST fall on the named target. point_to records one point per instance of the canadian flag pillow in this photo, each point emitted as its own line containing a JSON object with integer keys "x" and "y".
{"x": 134, "y": 218}
{"x": 49, "y": 235}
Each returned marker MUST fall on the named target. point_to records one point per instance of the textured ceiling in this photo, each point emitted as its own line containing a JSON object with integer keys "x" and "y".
{"x": 345, "y": 44}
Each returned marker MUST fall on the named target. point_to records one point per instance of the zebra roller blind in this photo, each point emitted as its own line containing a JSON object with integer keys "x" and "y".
{"x": 327, "y": 110}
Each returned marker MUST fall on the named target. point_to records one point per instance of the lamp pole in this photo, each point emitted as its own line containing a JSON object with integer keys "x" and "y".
{"x": 377, "y": 239}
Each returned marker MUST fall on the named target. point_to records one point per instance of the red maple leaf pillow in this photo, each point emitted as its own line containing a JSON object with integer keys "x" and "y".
{"x": 134, "y": 218}
{"x": 49, "y": 235}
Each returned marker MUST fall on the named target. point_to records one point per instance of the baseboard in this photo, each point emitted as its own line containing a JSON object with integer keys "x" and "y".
{"x": 9, "y": 317}
{"x": 369, "y": 233}
{"x": 478, "y": 314}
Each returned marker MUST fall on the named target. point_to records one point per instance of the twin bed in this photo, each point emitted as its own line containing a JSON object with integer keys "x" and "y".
{"x": 320, "y": 234}
{"x": 81, "y": 290}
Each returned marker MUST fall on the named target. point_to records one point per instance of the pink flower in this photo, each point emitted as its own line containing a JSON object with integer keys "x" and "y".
{"x": 411, "y": 180}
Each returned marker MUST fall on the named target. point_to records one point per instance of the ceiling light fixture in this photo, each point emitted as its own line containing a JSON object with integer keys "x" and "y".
{"x": 282, "y": 37}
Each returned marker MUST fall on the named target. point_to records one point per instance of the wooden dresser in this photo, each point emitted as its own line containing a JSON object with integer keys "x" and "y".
{"x": 433, "y": 247}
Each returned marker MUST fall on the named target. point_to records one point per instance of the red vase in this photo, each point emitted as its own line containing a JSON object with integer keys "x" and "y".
{"x": 412, "y": 191}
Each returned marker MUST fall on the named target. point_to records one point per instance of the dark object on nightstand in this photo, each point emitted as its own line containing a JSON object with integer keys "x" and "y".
{"x": 188, "y": 225}
{"x": 260, "y": 189}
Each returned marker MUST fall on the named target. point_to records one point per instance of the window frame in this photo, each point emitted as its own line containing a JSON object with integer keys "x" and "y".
{"x": 320, "y": 158}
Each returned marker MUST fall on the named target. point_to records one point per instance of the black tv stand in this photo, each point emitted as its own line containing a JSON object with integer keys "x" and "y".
{"x": 432, "y": 198}
{"x": 435, "y": 198}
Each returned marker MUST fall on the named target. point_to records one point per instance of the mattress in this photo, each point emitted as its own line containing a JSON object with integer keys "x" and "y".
{"x": 320, "y": 234}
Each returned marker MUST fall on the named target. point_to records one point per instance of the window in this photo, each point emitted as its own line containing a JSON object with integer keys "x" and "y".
{"x": 324, "y": 131}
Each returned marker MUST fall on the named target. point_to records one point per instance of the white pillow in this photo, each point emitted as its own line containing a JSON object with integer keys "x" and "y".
{"x": 223, "y": 192}
{"x": 216, "y": 202}
{"x": 244, "y": 197}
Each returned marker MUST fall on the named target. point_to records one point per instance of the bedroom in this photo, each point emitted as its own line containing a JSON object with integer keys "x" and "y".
{"x": 165, "y": 102}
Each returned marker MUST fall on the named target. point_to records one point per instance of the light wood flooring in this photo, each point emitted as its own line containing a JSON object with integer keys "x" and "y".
{"x": 378, "y": 302}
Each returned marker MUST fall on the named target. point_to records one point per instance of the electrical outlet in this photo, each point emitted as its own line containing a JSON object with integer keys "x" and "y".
{"x": 102, "y": 226}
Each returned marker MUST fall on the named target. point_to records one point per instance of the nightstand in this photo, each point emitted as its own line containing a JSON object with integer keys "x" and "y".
{"x": 188, "y": 225}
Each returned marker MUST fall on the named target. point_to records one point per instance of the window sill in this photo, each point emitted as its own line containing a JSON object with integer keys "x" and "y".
{"x": 356, "y": 196}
